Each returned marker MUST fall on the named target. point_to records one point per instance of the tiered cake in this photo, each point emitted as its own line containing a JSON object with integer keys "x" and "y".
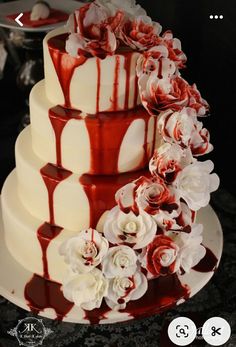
{"x": 81, "y": 208}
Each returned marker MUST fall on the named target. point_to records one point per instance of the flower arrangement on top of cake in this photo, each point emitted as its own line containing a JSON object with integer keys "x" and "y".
{"x": 152, "y": 231}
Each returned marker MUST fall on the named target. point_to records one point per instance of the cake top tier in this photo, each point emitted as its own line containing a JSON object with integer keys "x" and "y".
{"x": 88, "y": 83}
{"x": 103, "y": 27}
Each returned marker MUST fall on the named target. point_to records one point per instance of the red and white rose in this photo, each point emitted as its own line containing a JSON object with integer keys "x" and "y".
{"x": 153, "y": 196}
{"x": 93, "y": 31}
{"x": 140, "y": 33}
{"x": 183, "y": 128}
{"x": 160, "y": 93}
{"x": 168, "y": 160}
{"x": 159, "y": 258}
{"x": 174, "y": 48}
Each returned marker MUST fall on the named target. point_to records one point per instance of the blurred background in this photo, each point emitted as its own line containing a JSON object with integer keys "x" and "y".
{"x": 210, "y": 45}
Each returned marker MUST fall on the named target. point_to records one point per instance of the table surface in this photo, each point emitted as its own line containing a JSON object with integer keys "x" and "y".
{"x": 217, "y": 298}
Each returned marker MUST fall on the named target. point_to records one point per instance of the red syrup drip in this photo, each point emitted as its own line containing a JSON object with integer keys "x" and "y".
{"x": 208, "y": 263}
{"x": 160, "y": 69}
{"x": 145, "y": 145}
{"x": 135, "y": 91}
{"x": 98, "y": 83}
{"x": 59, "y": 117}
{"x": 41, "y": 293}
{"x": 64, "y": 64}
{"x": 154, "y": 135}
{"x": 52, "y": 176}
{"x": 94, "y": 316}
{"x": 116, "y": 85}
{"x": 106, "y": 133}
{"x": 163, "y": 292}
{"x": 100, "y": 191}
{"x": 127, "y": 67}
{"x": 46, "y": 233}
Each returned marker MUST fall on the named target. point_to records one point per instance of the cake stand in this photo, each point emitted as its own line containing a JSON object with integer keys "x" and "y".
{"x": 13, "y": 278}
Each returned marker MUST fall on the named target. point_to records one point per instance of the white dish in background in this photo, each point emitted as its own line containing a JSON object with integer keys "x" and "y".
{"x": 13, "y": 277}
{"x": 13, "y": 7}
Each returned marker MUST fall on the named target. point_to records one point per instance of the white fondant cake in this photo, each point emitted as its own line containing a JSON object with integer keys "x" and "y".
{"x": 102, "y": 203}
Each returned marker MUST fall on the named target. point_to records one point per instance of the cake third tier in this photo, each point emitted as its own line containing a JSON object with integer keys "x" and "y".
{"x": 60, "y": 197}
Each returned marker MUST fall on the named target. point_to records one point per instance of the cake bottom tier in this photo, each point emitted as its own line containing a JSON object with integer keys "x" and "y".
{"x": 32, "y": 242}
{"x": 61, "y": 197}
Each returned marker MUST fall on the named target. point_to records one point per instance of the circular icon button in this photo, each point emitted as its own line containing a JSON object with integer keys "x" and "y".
{"x": 182, "y": 331}
{"x": 216, "y": 331}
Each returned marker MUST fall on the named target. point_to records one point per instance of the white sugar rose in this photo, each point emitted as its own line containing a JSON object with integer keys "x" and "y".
{"x": 85, "y": 251}
{"x": 85, "y": 290}
{"x": 191, "y": 250}
{"x": 120, "y": 261}
{"x": 195, "y": 183}
{"x": 166, "y": 220}
{"x": 125, "y": 198}
{"x": 129, "y": 229}
{"x": 123, "y": 289}
{"x": 168, "y": 160}
{"x": 180, "y": 219}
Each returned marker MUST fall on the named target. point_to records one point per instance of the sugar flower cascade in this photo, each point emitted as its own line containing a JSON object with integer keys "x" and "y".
{"x": 151, "y": 232}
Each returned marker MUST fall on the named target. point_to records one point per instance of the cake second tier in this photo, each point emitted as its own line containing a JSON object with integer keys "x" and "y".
{"x": 106, "y": 143}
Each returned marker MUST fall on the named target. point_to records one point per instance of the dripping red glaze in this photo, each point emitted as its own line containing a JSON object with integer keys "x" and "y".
{"x": 155, "y": 134}
{"x": 106, "y": 133}
{"x": 98, "y": 83}
{"x": 52, "y": 176}
{"x": 100, "y": 191}
{"x": 135, "y": 91}
{"x": 59, "y": 117}
{"x": 46, "y": 233}
{"x": 127, "y": 67}
{"x": 41, "y": 293}
{"x": 116, "y": 85}
{"x": 64, "y": 64}
{"x": 208, "y": 263}
{"x": 94, "y": 316}
{"x": 163, "y": 292}
{"x": 160, "y": 69}
{"x": 146, "y": 158}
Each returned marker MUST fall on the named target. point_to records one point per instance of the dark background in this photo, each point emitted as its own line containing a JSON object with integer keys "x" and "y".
{"x": 210, "y": 45}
